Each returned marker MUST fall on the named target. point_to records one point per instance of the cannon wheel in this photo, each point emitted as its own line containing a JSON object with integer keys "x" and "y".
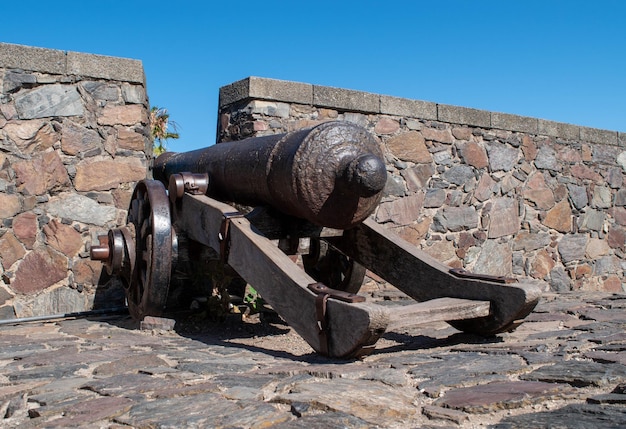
{"x": 331, "y": 267}
{"x": 149, "y": 213}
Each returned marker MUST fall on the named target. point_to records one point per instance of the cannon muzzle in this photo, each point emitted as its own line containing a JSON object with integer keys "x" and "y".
{"x": 332, "y": 174}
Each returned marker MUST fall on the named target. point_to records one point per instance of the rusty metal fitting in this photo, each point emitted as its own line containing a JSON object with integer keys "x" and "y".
{"x": 100, "y": 252}
{"x": 115, "y": 250}
{"x": 193, "y": 183}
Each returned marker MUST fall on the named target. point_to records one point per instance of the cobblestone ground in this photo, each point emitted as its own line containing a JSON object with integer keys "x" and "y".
{"x": 564, "y": 367}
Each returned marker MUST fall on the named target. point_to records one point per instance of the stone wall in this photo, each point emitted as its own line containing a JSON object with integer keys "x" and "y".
{"x": 491, "y": 192}
{"x": 73, "y": 140}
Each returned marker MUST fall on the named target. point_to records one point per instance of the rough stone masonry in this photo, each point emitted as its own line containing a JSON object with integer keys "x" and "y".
{"x": 73, "y": 140}
{"x": 491, "y": 192}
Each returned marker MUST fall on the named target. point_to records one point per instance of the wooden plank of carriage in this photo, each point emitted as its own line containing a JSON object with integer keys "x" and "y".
{"x": 352, "y": 326}
{"x": 435, "y": 310}
{"x": 423, "y": 278}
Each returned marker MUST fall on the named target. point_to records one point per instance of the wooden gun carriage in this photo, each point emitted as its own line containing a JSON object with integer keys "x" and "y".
{"x": 320, "y": 184}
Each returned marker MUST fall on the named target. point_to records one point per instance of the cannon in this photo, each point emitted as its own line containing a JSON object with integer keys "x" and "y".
{"x": 319, "y": 185}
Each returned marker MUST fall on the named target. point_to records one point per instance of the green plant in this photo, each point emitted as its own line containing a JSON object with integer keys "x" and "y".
{"x": 159, "y": 124}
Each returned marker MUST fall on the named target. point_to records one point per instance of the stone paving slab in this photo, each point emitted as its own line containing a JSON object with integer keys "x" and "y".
{"x": 564, "y": 367}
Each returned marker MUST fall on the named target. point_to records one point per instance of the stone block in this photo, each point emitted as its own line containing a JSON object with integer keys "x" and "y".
{"x": 417, "y": 177}
{"x": 268, "y": 108}
{"x": 621, "y": 139}
{"x": 529, "y": 148}
{"x": 502, "y": 157}
{"x": 620, "y": 198}
{"x": 559, "y": 217}
{"x": 40, "y": 269}
{"x": 105, "y": 67}
{"x": 25, "y": 228}
{"x": 49, "y": 101}
{"x": 346, "y": 99}
{"x": 410, "y": 146}
{"x": 495, "y": 259}
{"x": 434, "y": 198}
{"x": 617, "y": 237}
{"x": 595, "y": 135}
{"x": 10, "y": 205}
{"x": 440, "y": 413}
{"x": 546, "y": 159}
{"x": 7, "y": 312}
{"x": 356, "y": 118}
{"x": 572, "y": 247}
{"x": 436, "y": 135}
{"x": 394, "y": 186}
{"x": 32, "y": 136}
{"x": 16, "y": 79}
{"x": 11, "y": 250}
{"x": 601, "y": 197}
{"x": 87, "y": 271}
{"x": 578, "y": 195}
{"x": 506, "y": 121}
{"x": 407, "y": 107}
{"x": 386, "y": 126}
{"x": 80, "y": 209}
{"x": 614, "y": 178}
{"x": 579, "y": 373}
{"x": 102, "y": 175}
{"x": 485, "y": 188}
{"x": 60, "y": 300}
{"x": 63, "y": 238}
{"x": 503, "y": 218}
{"x": 102, "y": 91}
{"x": 459, "y": 174}
{"x": 40, "y": 174}
{"x": 591, "y": 220}
{"x": 161, "y": 323}
{"x": 76, "y": 138}
{"x": 32, "y": 59}
{"x": 584, "y": 172}
{"x": 4, "y": 295}
{"x": 134, "y": 94}
{"x": 619, "y": 214}
{"x": 128, "y": 138}
{"x": 463, "y": 115}
{"x": 443, "y": 251}
{"x": 542, "y": 265}
{"x": 129, "y": 114}
{"x": 605, "y": 154}
{"x": 442, "y": 157}
{"x": 402, "y": 211}
{"x": 474, "y": 154}
{"x": 492, "y": 397}
{"x": 23, "y": 133}
{"x": 456, "y": 219}
{"x": 462, "y": 133}
{"x": 266, "y": 89}
{"x": 558, "y": 129}
{"x": 596, "y": 248}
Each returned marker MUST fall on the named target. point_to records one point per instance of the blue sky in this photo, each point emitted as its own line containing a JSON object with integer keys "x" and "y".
{"x": 557, "y": 60}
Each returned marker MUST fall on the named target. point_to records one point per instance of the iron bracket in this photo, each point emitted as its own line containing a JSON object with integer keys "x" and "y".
{"x": 323, "y": 292}
{"x": 224, "y": 235}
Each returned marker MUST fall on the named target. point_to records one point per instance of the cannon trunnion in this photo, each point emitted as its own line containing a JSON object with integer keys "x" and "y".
{"x": 320, "y": 184}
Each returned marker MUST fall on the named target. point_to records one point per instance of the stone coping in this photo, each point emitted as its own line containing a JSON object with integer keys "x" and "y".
{"x": 359, "y": 101}
{"x": 54, "y": 61}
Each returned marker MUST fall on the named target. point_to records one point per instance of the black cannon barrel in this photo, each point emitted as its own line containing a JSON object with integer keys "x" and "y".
{"x": 331, "y": 175}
